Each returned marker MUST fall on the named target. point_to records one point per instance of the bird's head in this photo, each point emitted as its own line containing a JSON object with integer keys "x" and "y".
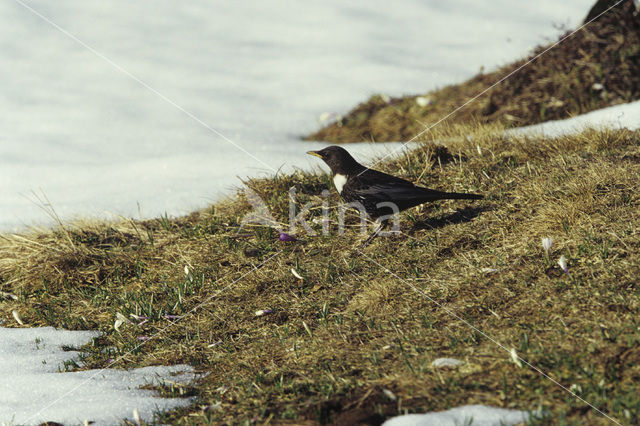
{"x": 338, "y": 160}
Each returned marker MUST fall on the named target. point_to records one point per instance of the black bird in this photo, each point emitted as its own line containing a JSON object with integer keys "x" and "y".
{"x": 358, "y": 184}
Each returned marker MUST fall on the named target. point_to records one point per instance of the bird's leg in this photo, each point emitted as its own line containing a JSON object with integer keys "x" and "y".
{"x": 379, "y": 228}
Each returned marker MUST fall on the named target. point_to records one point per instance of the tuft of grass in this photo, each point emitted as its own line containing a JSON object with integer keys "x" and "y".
{"x": 596, "y": 67}
{"x": 338, "y": 342}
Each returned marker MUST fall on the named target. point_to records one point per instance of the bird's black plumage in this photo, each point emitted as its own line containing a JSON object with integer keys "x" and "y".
{"x": 359, "y": 184}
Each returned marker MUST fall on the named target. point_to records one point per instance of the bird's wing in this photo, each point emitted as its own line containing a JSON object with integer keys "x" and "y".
{"x": 394, "y": 191}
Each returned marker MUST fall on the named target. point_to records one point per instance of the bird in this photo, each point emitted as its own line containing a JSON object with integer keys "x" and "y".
{"x": 375, "y": 191}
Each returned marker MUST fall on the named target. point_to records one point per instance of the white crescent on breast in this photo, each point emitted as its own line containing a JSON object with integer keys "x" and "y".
{"x": 339, "y": 181}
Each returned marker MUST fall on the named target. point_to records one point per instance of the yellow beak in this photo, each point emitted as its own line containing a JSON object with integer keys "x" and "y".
{"x": 314, "y": 153}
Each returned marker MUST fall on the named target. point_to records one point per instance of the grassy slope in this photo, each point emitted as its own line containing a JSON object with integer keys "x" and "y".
{"x": 351, "y": 329}
{"x": 557, "y": 85}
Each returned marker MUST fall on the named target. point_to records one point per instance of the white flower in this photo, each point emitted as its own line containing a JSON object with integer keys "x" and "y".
{"x": 16, "y": 315}
{"x": 389, "y": 394}
{"x": 563, "y": 264}
{"x": 187, "y": 272}
{"x": 423, "y": 101}
{"x": 263, "y": 312}
{"x": 296, "y": 274}
{"x": 8, "y": 295}
{"x": 515, "y": 358}
{"x": 547, "y": 244}
{"x": 120, "y": 319}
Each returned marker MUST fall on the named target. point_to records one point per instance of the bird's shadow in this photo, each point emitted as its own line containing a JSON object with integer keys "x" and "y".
{"x": 459, "y": 216}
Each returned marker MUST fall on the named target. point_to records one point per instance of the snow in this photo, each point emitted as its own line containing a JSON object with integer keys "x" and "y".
{"x": 472, "y": 415}
{"x": 33, "y": 390}
{"x": 614, "y": 117}
{"x": 137, "y": 132}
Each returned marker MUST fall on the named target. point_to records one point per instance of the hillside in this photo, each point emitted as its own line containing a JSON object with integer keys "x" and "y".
{"x": 365, "y": 322}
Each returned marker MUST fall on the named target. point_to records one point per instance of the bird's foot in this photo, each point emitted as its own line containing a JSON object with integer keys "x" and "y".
{"x": 379, "y": 228}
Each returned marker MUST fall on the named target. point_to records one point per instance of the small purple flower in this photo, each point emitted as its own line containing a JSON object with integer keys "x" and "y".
{"x": 143, "y": 338}
{"x": 139, "y": 317}
{"x": 286, "y": 237}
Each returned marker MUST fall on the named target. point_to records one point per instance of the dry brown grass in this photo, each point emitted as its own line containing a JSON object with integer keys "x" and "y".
{"x": 350, "y": 329}
{"x": 558, "y": 84}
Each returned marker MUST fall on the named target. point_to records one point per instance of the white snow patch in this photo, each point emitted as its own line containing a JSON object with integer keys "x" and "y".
{"x": 615, "y": 117}
{"x": 33, "y": 390}
{"x": 472, "y": 415}
{"x": 446, "y": 362}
